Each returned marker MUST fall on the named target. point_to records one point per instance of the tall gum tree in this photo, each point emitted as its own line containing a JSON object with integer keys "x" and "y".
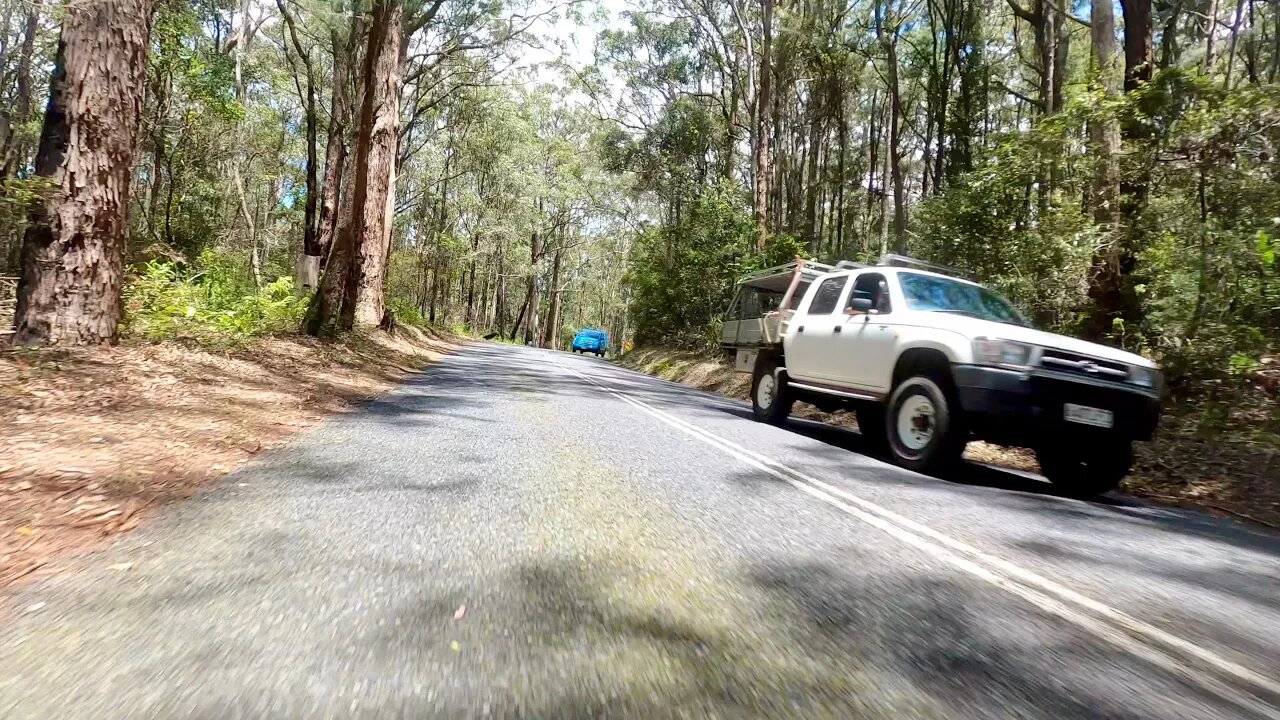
{"x": 376, "y": 147}
{"x": 73, "y": 250}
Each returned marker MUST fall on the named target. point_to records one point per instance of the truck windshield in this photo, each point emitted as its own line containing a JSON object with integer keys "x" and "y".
{"x": 939, "y": 294}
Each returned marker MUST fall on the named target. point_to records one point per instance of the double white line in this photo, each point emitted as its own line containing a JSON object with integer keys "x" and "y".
{"x": 1192, "y": 663}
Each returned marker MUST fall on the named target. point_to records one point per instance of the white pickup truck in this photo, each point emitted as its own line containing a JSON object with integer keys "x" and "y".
{"x": 929, "y": 361}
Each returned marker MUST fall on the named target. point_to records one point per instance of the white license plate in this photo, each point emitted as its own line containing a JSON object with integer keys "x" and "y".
{"x": 1086, "y": 415}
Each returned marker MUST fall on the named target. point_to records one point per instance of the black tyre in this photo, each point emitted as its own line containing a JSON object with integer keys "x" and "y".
{"x": 1087, "y": 467}
{"x": 923, "y": 425}
{"x": 872, "y": 426}
{"x": 771, "y": 397}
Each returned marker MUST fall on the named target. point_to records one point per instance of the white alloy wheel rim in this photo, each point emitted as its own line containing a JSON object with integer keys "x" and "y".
{"x": 764, "y": 391}
{"x": 916, "y": 422}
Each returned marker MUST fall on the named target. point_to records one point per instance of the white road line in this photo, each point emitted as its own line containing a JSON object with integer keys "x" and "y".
{"x": 1012, "y": 578}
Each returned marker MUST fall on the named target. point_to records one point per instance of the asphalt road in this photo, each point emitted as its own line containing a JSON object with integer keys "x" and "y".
{"x": 521, "y": 533}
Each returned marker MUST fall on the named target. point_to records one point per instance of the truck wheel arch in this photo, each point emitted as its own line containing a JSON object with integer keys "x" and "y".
{"x": 921, "y": 361}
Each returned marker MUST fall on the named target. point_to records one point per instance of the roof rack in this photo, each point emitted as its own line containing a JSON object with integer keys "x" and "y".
{"x": 895, "y": 260}
{"x": 850, "y": 265}
{"x": 783, "y": 273}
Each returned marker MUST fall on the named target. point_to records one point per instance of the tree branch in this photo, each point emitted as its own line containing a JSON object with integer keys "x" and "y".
{"x": 1023, "y": 13}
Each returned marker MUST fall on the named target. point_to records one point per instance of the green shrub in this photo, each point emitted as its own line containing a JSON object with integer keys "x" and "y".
{"x": 214, "y": 306}
{"x": 407, "y": 313}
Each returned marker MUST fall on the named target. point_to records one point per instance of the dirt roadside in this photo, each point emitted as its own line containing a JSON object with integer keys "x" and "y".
{"x": 93, "y": 439}
{"x": 1182, "y": 467}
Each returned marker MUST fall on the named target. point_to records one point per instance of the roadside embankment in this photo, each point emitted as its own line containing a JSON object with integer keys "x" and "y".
{"x": 91, "y": 438}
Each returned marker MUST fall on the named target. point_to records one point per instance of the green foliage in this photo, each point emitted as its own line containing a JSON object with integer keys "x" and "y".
{"x": 406, "y": 313}
{"x": 683, "y": 276}
{"x": 1206, "y": 274}
{"x": 1039, "y": 258}
{"x": 211, "y": 306}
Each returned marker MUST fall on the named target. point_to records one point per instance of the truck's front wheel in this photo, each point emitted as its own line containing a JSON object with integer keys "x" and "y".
{"x": 923, "y": 426}
{"x": 771, "y": 398}
{"x": 1085, "y": 468}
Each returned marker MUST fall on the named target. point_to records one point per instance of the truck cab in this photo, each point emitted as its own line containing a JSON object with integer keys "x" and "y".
{"x": 929, "y": 360}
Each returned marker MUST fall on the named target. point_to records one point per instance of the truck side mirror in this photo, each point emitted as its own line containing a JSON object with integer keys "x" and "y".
{"x": 858, "y": 306}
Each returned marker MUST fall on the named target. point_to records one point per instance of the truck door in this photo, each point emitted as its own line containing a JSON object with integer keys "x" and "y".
{"x": 811, "y": 331}
{"x": 865, "y": 343}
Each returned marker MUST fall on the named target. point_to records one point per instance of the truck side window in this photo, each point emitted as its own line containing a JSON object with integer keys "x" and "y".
{"x": 875, "y": 288}
{"x": 824, "y": 301}
{"x": 748, "y": 309}
{"x": 796, "y": 297}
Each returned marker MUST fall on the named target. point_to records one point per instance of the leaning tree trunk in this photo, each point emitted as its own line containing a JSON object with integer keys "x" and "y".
{"x": 73, "y": 250}
{"x": 335, "y": 154}
{"x": 376, "y": 165}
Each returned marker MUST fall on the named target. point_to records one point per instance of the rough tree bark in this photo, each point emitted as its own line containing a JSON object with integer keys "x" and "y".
{"x": 73, "y": 250}
{"x": 335, "y": 154}
{"x": 375, "y": 169}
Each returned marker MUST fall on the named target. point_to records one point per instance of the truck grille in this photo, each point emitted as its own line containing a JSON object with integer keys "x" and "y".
{"x": 1084, "y": 365}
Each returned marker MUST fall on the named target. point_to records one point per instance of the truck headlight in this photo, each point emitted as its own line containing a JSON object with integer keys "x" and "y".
{"x": 1145, "y": 377}
{"x": 1004, "y": 353}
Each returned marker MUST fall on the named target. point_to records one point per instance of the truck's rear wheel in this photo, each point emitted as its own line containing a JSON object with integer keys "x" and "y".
{"x": 924, "y": 429}
{"x": 771, "y": 397}
{"x": 1085, "y": 468}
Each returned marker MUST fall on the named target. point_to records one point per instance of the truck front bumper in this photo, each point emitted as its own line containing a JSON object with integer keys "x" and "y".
{"x": 1019, "y": 407}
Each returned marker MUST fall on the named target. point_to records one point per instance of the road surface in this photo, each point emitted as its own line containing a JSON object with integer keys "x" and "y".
{"x": 522, "y": 533}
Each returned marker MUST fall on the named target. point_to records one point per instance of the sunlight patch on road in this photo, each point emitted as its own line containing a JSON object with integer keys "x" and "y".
{"x": 663, "y": 608}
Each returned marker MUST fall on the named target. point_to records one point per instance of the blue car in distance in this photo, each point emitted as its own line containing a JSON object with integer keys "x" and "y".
{"x": 591, "y": 341}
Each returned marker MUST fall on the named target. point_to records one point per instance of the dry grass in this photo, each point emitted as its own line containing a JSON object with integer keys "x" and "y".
{"x": 1235, "y": 473}
{"x": 91, "y": 438}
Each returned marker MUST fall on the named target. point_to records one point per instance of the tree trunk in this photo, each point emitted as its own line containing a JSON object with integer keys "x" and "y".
{"x": 1210, "y": 33}
{"x": 471, "y": 278}
{"x": 310, "y": 247}
{"x": 873, "y": 163}
{"x": 843, "y": 139}
{"x": 500, "y": 295}
{"x": 73, "y": 250}
{"x": 326, "y": 306}
{"x": 1231, "y": 49}
{"x": 376, "y": 147}
{"x": 811, "y": 189}
{"x": 1138, "y": 56}
{"x": 887, "y": 30}
{"x": 13, "y": 150}
{"x": 531, "y": 295}
{"x": 551, "y": 336}
{"x": 335, "y": 154}
{"x": 1104, "y": 134}
{"x": 764, "y": 101}
{"x": 1112, "y": 290}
